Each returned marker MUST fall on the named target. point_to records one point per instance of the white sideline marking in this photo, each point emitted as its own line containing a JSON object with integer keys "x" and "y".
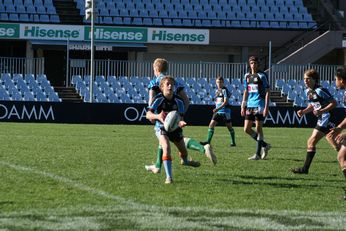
{"x": 156, "y": 217}
{"x": 65, "y": 180}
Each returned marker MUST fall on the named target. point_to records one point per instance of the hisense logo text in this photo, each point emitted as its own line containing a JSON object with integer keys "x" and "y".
{"x": 36, "y": 31}
{"x": 163, "y": 35}
{"x": 7, "y": 32}
{"x": 117, "y": 35}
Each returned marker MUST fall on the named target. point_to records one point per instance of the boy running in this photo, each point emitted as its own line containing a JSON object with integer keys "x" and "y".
{"x": 160, "y": 67}
{"x": 321, "y": 103}
{"x": 161, "y": 106}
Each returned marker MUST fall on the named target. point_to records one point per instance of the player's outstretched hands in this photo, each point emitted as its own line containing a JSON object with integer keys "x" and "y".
{"x": 300, "y": 113}
{"x": 182, "y": 123}
{"x": 161, "y": 117}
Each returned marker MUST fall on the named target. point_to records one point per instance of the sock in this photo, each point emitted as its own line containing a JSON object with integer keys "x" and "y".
{"x": 167, "y": 164}
{"x": 255, "y": 135}
{"x": 344, "y": 172}
{"x": 159, "y": 157}
{"x": 231, "y": 132}
{"x": 210, "y": 134}
{"x": 309, "y": 156}
{"x": 194, "y": 145}
{"x": 259, "y": 147}
{"x": 184, "y": 158}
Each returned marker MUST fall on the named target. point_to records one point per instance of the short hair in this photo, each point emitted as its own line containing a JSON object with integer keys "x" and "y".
{"x": 161, "y": 65}
{"x": 166, "y": 78}
{"x": 219, "y": 77}
{"x": 341, "y": 73}
{"x": 312, "y": 73}
{"x": 253, "y": 58}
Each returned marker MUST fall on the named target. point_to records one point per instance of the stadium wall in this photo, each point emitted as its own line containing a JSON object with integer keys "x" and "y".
{"x": 99, "y": 113}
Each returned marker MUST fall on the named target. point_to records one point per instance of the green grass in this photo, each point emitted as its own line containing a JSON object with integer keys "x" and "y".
{"x": 92, "y": 177}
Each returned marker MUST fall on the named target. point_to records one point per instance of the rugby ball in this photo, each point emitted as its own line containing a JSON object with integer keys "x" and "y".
{"x": 171, "y": 121}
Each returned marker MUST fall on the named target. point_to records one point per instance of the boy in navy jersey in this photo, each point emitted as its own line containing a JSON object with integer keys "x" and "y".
{"x": 255, "y": 106}
{"x": 321, "y": 103}
{"x": 221, "y": 112}
{"x": 164, "y": 103}
{"x": 160, "y": 67}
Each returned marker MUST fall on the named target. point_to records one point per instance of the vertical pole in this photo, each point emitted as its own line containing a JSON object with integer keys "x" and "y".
{"x": 67, "y": 62}
{"x": 92, "y": 52}
{"x": 270, "y": 62}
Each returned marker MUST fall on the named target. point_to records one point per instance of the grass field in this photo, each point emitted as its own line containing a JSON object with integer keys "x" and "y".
{"x": 92, "y": 177}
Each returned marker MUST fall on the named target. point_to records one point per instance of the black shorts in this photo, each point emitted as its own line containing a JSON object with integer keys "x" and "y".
{"x": 219, "y": 117}
{"x": 325, "y": 130}
{"x": 254, "y": 114}
{"x": 175, "y": 136}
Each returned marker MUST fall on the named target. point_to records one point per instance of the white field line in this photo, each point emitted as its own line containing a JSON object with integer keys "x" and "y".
{"x": 162, "y": 218}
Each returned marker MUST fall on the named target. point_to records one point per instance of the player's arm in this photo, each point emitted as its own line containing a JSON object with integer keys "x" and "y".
{"x": 332, "y": 104}
{"x": 151, "y": 96}
{"x": 244, "y": 102}
{"x": 152, "y": 116}
{"x": 338, "y": 129}
{"x": 182, "y": 94}
{"x": 267, "y": 100}
{"x": 308, "y": 109}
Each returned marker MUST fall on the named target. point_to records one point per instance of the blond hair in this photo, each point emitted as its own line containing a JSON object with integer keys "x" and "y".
{"x": 161, "y": 65}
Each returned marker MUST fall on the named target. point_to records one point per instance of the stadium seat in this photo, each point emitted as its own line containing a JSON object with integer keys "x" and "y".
{"x": 28, "y": 96}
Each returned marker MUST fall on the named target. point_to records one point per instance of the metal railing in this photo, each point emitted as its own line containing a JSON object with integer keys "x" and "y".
{"x": 133, "y": 68}
{"x": 287, "y": 71}
{"x": 16, "y": 65}
{"x": 208, "y": 70}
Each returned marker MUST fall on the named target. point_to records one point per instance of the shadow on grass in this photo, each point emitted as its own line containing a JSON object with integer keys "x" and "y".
{"x": 300, "y": 182}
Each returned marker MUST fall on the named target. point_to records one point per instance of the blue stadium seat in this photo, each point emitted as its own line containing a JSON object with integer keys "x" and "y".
{"x": 157, "y": 22}
{"x": 41, "y": 9}
{"x": 10, "y": 9}
{"x": 38, "y": 3}
{"x": 24, "y": 18}
{"x": 114, "y": 12}
{"x": 137, "y": 21}
{"x": 54, "y": 18}
{"x": 118, "y": 20}
{"x": 44, "y": 18}
{"x": 3, "y": 16}
{"x": 187, "y": 22}
{"x": 30, "y": 9}
{"x": 147, "y": 21}
{"x": 167, "y": 22}
{"x": 20, "y": 9}
{"x": 108, "y": 20}
{"x": 177, "y": 22}
{"x": 13, "y": 17}
{"x": 28, "y": 96}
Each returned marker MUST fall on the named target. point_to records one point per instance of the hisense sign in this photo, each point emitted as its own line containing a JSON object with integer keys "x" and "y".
{"x": 178, "y": 36}
{"x": 117, "y": 34}
{"x": 9, "y": 30}
{"x": 104, "y": 34}
{"x": 51, "y": 32}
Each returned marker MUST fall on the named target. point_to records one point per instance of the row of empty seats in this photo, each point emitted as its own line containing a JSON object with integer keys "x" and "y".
{"x": 172, "y": 13}
{"x": 252, "y": 14}
{"x": 125, "y": 89}
{"x": 28, "y": 11}
{"x": 14, "y": 17}
{"x": 29, "y": 87}
{"x": 294, "y": 91}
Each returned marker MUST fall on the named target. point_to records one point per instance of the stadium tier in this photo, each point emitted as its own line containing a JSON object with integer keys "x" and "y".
{"x": 17, "y": 87}
{"x": 278, "y": 14}
{"x": 125, "y": 89}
